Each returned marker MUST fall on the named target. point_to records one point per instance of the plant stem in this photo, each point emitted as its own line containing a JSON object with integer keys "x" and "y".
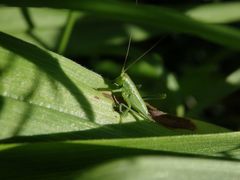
{"x": 71, "y": 19}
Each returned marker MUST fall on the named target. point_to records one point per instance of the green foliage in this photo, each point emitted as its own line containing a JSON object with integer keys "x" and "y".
{"x": 56, "y": 123}
{"x": 227, "y": 12}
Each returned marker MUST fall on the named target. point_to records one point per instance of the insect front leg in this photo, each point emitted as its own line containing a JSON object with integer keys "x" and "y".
{"x": 122, "y": 107}
{"x": 123, "y": 113}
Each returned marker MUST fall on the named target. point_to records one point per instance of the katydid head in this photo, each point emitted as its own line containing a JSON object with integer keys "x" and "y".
{"x": 121, "y": 79}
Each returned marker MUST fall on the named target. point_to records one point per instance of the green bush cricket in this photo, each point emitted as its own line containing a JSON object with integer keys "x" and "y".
{"x": 129, "y": 91}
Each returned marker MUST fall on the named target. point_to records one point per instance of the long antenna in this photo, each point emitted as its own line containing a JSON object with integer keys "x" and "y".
{"x": 140, "y": 57}
{"x": 128, "y": 48}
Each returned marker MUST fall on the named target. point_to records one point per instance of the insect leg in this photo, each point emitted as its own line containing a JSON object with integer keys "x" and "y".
{"x": 120, "y": 106}
{"x": 123, "y": 112}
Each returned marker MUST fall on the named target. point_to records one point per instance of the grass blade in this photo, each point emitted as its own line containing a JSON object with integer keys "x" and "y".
{"x": 156, "y": 17}
{"x": 87, "y": 158}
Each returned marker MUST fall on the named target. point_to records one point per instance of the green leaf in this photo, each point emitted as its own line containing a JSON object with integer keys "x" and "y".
{"x": 43, "y": 27}
{"x": 35, "y": 86}
{"x": 157, "y": 17}
{"x": 218, "y": 12}
{"x": 44, "y": 93}
{"x": 197, "y": 154}
{"x": 163, "y": 167}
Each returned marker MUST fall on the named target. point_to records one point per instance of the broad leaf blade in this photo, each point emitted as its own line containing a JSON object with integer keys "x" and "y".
{"x": 44, "y": 93}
